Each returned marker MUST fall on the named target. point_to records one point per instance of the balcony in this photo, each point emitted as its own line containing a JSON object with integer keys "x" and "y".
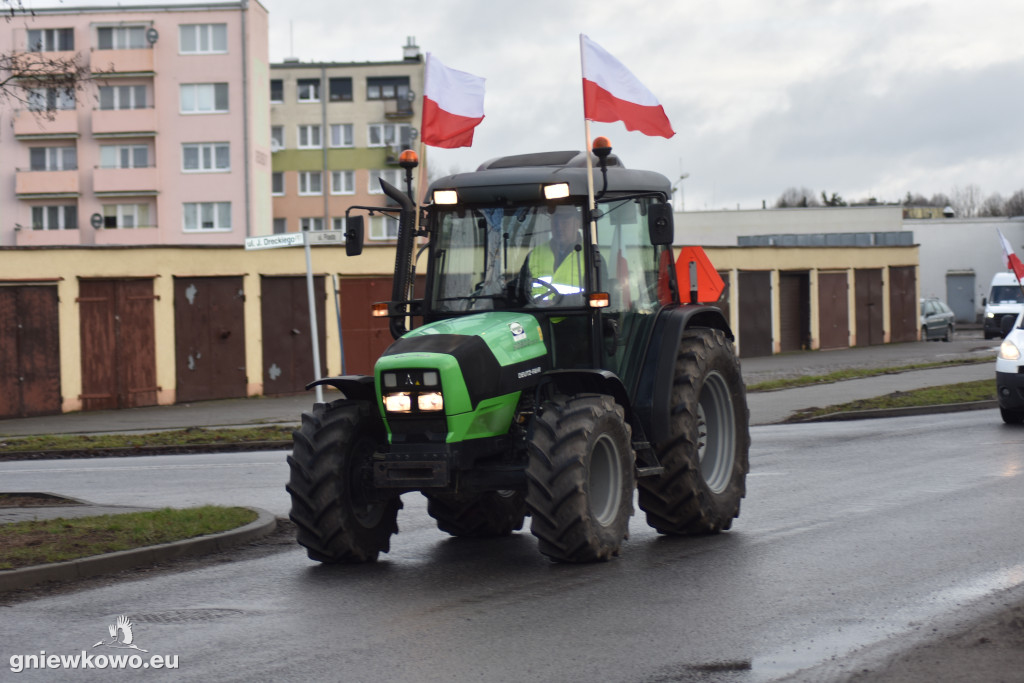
{"x": 35, "y": 125}
{"x": 108, "y": 123}
{"x": 40, "y": 184}
{"x": 27, "y": 237}
{"x": 109, "y": 63}
{"x": 35, "y": 65}
{"x": 110, "y": 182}
{"x": 400, "y": 108}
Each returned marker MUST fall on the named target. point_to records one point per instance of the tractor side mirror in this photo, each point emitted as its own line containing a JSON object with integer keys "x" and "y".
{"x": 354, "y": 235}
{"x": 659, "y": 224}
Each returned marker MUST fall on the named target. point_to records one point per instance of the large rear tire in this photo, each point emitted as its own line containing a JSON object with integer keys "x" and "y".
{"x": 334, "y": 506}
{"x": 706, "y": 457}
{"x": 580, "y": 478}
{"x": 484, "y": 515}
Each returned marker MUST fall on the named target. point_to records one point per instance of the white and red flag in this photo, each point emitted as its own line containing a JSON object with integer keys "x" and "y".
{"x": 612, "y": 93}
{"x": 453, "y": 105}
{"x": 1012, "y": 260}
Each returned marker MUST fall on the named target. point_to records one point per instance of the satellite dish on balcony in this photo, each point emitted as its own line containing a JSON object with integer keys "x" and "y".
{"x": 152, "y": 35}
{"x": 96, "y": 221}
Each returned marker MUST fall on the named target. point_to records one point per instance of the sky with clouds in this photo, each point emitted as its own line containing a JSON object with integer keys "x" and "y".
{"x": 867, "y": 98}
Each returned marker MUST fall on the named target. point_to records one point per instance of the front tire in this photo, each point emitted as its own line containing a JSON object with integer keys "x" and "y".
{"x": 339, "y": 518}
{"x": 1012, "y": 417}
{"x": 706, "y": 457}
{"x": 485, "y": 515}
{"x": 580, "y": 478}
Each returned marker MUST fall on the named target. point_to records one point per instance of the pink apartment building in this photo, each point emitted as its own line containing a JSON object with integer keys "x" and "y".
{"x": 167, "y": 144}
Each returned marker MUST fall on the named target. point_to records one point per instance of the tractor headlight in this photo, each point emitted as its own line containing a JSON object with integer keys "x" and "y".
{"x": 399, "y": 402}
{"x": 430, "y": 402}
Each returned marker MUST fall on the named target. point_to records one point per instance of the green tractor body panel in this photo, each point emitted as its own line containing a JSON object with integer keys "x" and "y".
{"x": 482, "y": 363}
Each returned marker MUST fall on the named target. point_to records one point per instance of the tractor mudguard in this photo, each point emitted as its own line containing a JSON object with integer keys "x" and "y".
{"x": 652, "y": 402}
{"x": 354, "y": 387}
{"x": 587, "y": 381}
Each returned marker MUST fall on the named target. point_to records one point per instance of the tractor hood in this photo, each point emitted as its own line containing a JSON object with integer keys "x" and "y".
{"x": 482, "y": 361}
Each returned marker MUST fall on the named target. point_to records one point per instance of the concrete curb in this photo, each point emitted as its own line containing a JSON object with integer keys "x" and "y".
{"x": 897, "y": 412}
{"x": 26, "y": 577}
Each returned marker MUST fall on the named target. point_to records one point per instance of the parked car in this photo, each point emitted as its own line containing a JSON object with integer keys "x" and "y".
{"x": 937, "y": 320}
{"x": 1010, "y": 372}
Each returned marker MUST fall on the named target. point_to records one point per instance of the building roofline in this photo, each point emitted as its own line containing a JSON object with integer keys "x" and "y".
{"x": 332, "y": 65}
{"x": 119, "y": 9}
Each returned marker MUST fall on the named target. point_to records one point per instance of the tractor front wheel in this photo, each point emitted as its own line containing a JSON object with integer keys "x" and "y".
{"x": 580, "y": 478}
{"x": 339, "y": 515}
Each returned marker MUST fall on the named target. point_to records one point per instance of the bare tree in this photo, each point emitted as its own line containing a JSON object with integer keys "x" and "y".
{"x": 1015, "y": 204}
{"x": 967, "y": 201}
{"x": 796, "y": 197}
{"x": 995, "y": 205}
{"x": 38, "y": 80}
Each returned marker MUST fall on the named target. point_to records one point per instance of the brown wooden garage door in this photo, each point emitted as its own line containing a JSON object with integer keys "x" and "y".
{"x": 365, "y": 337}
{"x": 794, "y": 311}
{"x": 118, "y": 343}
{"x": 287, "y": 345}
{"x": 209, "y": 338}
{"x": 833, "y": 310}
{"x": 868, "y": 301}
{"x": 755, "y": 313}
{"x": 903, "y": 303}
{"x": 29, "y": 351}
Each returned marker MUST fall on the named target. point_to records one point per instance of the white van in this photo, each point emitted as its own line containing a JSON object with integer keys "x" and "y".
{"x": 1010, "y": 374}
{"x": 1005, "y": 299}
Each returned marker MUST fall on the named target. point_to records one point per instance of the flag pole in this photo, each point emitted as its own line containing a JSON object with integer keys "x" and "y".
{"x": 586, "y": 150}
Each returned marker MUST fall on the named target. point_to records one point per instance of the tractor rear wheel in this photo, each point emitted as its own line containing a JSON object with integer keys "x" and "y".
{"x": 580, "y": 478}
{"x": 334, "y": 506}
{"x": 706, "y": 457}
{"x": 483, "y": 515}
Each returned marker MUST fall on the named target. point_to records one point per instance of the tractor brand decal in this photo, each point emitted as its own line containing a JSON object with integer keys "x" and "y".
{"x": 528, "y": 373}
{"x": 518, "y": 333}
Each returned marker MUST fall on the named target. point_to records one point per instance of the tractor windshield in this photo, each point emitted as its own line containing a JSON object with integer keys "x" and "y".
{"x": 508, "y": 257}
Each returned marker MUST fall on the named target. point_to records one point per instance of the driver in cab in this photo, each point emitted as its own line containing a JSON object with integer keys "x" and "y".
{"x": 556, "y": 268}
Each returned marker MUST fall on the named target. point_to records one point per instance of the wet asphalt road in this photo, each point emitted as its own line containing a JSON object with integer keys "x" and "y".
{"x": 851, "y": 534}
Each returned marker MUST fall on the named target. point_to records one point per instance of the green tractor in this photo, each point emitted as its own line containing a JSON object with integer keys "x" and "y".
{"x": 557, "y": 369}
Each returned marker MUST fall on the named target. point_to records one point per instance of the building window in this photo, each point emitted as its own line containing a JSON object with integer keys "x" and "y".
{"x": 276, "y": 138}
{"x": 276, "y": 90}
{"x": 206, "y": 157}
{"x": 49, "y": 99}
{"x": 200, "y": 216}
{"x": 51, "y": 39}
{"x": 60, "y": 217}
{"x": 280, "y": 226}
{"x": 202, "y": 39}
{"x": 391, "y": 175}
{"x": 343, "y": 182}
{"x": 390, "y": 135}
{"x": 308, "y": 224}
{"x": 124, "y": 156}
{"x": 341, "y": 135}
{"x": 340, "y": 89}
{"x": 338, "y": 224}
{"x": 394, "y": 87}
{"x": 122, "y": 97}
{"x": 383, "y": 228}
{"x": 125, "y": 216}
{"x": 310, "y": 183}
{"x": 277, "y": 183}
{"x": 53, "y": 159}
{"x": 121, "y": 37}
{"x": 309, "y": 90}
{"x": 204, "y": 98}
{"x": 309, "y": 137}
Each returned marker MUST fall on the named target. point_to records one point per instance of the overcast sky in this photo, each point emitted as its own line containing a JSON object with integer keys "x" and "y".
{"x": 860, "y": 97}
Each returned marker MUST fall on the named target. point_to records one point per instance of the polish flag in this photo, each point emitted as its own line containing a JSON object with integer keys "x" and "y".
{"x": 1012, "y": 260}
{"x": 612, "y": 93}
{"x": 453, "y": 105}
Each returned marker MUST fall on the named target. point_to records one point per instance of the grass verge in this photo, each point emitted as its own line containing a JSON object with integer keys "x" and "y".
{"x": 964, "y": 392}
{"x": 26, "y": 544}
{"x": 193, "y": 436}
{"x": 852, "y": 373}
